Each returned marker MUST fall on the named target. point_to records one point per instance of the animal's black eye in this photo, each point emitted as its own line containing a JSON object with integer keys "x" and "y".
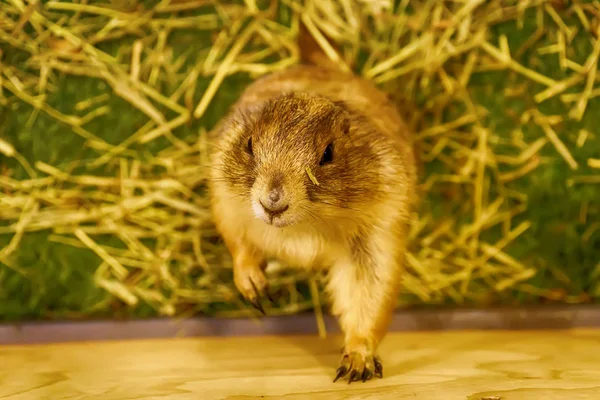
{"x": 327, "y": 155}
{"x": 249, "y": 147}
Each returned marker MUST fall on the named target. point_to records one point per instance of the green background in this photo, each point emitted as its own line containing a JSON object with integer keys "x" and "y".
{"x": 55, "y": 280}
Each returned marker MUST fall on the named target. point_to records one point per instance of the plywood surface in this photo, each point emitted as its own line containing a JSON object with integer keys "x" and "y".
{"x": 517, "y": 365}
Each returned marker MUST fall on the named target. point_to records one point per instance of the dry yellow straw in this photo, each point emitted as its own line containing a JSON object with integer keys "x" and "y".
{"x": 152, "y": 205}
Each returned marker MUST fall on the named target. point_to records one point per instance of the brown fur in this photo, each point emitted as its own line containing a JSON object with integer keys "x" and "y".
{"x": 353, "y": 223}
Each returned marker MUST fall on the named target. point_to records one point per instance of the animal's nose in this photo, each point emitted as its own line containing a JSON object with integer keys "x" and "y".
{"x": 275, "y": 196}
{"x": 274, "y": 204}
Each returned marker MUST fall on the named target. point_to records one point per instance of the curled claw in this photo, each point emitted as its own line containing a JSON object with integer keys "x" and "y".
{"x": 360, "y": 367}
{"x": 256, "y": 291}
{"x": 269, "y": 296}
{"x": 366, "y": 375}
{"x": 256, "y": 304}
{"x": 275, "y": 295}
{"x": 341, "y": 371}
{"x": 354, "y": 376}
{"x": 256, "y": 301}
{"x": 378, "y": 368}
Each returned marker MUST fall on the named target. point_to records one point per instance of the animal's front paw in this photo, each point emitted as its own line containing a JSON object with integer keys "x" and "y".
{"x": 252, "y": 284}
{"x": 359, "y": 367}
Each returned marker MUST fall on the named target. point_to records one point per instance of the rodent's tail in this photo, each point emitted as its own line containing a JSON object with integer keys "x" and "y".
{"x": 311, "y": 51}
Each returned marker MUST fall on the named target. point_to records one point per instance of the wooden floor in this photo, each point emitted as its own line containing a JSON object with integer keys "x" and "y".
{"x": 492, "y": 365}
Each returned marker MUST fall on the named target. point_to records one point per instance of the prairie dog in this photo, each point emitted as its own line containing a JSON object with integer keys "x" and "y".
{"x": 314, "y": 167}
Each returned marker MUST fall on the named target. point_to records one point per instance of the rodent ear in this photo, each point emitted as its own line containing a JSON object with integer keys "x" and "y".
{"x": 247, "y": 116}
{"x": 343, "y": 120}
{"x": 343, "y": 125}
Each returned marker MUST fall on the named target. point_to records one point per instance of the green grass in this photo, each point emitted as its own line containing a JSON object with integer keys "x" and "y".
{"x": 56, "y": 280}
{"x": 554, "y": 243}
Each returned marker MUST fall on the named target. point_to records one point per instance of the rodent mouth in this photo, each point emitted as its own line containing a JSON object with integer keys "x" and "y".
{"x": 274, "y": 212}
{"x": 276, "y": 220}
{"x": 274, "y": 216}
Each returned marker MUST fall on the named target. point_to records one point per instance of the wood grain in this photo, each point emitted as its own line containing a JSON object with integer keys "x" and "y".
{"x": 467, "y": 365}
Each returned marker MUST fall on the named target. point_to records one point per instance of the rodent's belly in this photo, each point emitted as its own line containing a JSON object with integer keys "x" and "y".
{"x": 295, "y": 247}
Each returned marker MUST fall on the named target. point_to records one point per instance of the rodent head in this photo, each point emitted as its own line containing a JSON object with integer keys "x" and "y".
{"x": 272, "y": 148}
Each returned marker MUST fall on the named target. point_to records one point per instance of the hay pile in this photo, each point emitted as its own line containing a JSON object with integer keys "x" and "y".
{"x": 128, "y": 89}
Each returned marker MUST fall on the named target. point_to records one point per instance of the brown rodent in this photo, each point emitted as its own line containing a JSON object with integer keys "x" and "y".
{"x": 350, "y": 217}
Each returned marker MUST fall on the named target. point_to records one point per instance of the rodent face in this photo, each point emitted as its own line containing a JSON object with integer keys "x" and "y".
{"x": 271, "y": 148}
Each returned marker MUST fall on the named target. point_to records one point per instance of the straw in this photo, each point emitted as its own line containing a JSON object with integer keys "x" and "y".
{"x": 139, "y": 202}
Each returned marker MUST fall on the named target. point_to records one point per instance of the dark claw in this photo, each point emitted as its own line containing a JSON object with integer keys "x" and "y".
{"x": 378, "y": 368}
{"x": 341, "y": 371}
{"x": 354, "y": 376}
{"x": 254, "y": 287}
{"x": 366, "y": 375}
{"x": 269, "y": 297}
{"x": 276, "y": 295}
{"x": 256, "y": 304}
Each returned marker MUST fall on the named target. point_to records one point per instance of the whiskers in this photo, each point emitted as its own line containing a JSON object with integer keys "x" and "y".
{"x": 306, "y": 213}
{"x": 337, "y": 206}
